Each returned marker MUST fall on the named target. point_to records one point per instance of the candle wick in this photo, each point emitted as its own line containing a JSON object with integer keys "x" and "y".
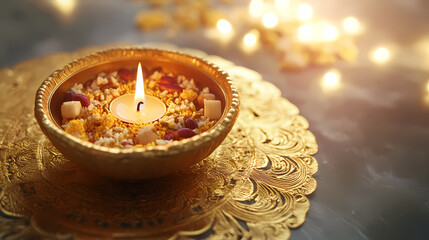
{"x": 140, "y": 106}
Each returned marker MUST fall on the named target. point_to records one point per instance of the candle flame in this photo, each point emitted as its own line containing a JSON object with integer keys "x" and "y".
{"x": 139, "y": 96}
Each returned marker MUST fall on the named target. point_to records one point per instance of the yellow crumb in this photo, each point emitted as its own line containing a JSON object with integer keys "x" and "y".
{"x": 189, "y": 94}
{"x": 77, "y": 129}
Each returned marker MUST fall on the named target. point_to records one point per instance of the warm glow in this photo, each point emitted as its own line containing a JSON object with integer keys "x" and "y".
{"x": 331, "y": 80}
{"x": 426, "y": 97}
{"x": 305, "y": 33}
{"x": 270, "y": 20}
{"x": 139, "y": 96}
{"x": 282, "y": 5}
{"x": 351, "y": 25}
{"x": 251, "y": 38}
{"x": 137, "y": 108}
{"x": 427, "y": 86}
{"x": 304, "y": 12}
{"x": 224, "y": 26}
{"x": 256, "y": 8}
{"x": 330, "y": 33}
{"x": 65, "y": 6}
{"x": 380, "y": 55}
{"x": 250, "y": 42}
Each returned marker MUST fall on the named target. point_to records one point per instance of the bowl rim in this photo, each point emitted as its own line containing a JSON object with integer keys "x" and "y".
{"x": 111, "y": 54}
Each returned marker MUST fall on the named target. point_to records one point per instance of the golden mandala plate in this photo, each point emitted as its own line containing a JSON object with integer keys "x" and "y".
{"x": 253, "y": 186}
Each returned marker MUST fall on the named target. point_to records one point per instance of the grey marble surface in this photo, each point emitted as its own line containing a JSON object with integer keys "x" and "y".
{"x": 373, "y": 132}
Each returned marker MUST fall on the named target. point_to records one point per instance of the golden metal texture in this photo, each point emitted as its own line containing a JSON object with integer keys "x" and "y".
{"x": 253, "y": 186}
{"x": 136, "y": 163}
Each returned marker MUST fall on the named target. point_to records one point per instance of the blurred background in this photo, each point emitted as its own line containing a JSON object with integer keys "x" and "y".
{"x": 357, "y": 70}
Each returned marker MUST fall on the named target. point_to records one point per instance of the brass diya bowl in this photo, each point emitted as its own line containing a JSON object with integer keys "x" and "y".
{"x": 145, "y": 162}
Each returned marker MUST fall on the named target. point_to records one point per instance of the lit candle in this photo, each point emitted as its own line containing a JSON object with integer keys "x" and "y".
{"x": 137, "y": 108}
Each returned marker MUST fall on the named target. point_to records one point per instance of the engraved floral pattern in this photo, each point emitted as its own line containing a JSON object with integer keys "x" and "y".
{"x": 253, "y": 186}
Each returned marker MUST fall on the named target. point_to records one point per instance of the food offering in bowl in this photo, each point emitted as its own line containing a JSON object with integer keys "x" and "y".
{"x": 128, "y": 122}
{"x": 91, "y": 112}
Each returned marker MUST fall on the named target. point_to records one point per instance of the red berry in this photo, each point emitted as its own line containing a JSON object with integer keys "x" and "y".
{"x": 185, "y": 133}
{"x": 69, "y": 96}
{"x": 172, "y": 136}
{"x": 82, "y": 98}
{"x": 191, "y": 123}
{"x": 170, "y": 87}
{"x": 126, "y": 74}
{"x": 169, "y": 136}
{"x": 125, "y": 143}
{"x": 167, "y": 80}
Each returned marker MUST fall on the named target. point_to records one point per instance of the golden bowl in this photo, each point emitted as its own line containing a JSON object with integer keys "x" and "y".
{"x": 135, "y": 163}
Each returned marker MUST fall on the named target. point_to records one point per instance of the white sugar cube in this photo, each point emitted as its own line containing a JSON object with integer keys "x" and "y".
{"x": 71, "y": 109}
{"x": 146, "y": 135}
{"x": 202, "y": 96}
{"x": 212, "y": 109}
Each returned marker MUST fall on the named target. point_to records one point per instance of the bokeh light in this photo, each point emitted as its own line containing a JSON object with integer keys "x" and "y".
{"x": 331, "y": 80}
{"x": 224, "y": 26}
{"x": 269, "y": 20}
{"x": 304, "y": 12}
{"x": 330, "y": 33}
{"x": 250, "y": 39}
{"x": 66, "y": 7}
{"x": 256, "y": 8}
{"x": 380, "y": 55}
{"x": 351, "y": 25}
{"x": 305, "y": 33}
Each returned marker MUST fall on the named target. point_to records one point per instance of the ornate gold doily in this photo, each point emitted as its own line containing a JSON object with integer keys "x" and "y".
{"x": 253, "y": 186}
